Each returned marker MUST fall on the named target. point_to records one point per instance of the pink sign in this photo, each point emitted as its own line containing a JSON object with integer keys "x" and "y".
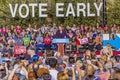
{"x": 19, "y": 49}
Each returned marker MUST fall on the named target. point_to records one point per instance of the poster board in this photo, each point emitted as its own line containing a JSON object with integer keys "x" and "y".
{"x": 19, "y": 49}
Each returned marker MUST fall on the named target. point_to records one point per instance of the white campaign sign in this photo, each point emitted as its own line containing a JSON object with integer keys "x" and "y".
{"x": 83, "y": 9}
{"x": 106, "y": 37}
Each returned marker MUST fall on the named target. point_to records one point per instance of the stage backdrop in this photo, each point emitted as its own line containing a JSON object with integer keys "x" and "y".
{"x": 115, "y": 43}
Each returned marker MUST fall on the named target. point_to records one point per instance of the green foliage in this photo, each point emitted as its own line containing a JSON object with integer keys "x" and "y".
{"x": 113, "y": 11}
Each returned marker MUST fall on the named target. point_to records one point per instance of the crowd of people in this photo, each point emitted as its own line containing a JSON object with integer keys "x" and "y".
{"x": 45, "y": 60}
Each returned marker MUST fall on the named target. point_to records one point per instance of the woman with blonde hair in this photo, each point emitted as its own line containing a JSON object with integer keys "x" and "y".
{"x": 62, "y": 76}
{"x": 42, "y": 71}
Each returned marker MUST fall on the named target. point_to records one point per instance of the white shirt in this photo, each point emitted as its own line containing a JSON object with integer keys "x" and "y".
{"x": 53, "y": 73}
{"x": 11, "y": 41}
{"x": 35, "y": 30}
{"x": 73, "y": 29}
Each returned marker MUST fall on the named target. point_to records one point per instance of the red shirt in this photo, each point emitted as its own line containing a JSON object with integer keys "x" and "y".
{"x": 77, "y": 41}
{"x": 18, "y": 30}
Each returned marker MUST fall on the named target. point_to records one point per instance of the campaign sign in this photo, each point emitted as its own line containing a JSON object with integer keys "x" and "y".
{"x": 66, "y": 40}
{"x": 115, "y": 43}
{"x": 83, "y": 41}
{"x": 19, "y": 49}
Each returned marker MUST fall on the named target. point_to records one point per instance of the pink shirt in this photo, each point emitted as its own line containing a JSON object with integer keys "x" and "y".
{"x": 3, "y": 31}
{"x": 18, "y": 30}
{"x": 81, "y": 29}
{"x": 47, "y": 40}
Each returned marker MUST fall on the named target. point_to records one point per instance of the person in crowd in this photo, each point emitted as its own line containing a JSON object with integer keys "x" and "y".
{"x": 62, "y": 76}
{"x": 70, "y": 34}
{"x": 11, "y": 41}
{"x": 18, "y": 29}
{"x": 98, "y": 42}
{"x": 74, "y": 47}
{"x": 61, "y": 33}
{"x": 31, "y": 75}
{"x": 15, "y": 36}
{"x": 47, "y": 42}
{"x": 44, "y": 74}
{"x": 39, "y": 42}
{"x": 32, "y": 42}
{"x": 12, "y": 27}
{"x": 29, "y": 27}
{"x": 91, "y": 42}
{"x": 3, "y": 31}
{"x": 68, "y": 49}
{"x": 35, "y": 28}
{"x": 74, "y": 28}
{"x": 26, "y": 40}
{"x": 53, "y": 71}
{"x": 19, "y": 41}
{"x": 43, "y": 28}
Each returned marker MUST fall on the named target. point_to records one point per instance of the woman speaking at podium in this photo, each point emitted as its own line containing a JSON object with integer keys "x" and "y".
{"x": 61, "y": 34}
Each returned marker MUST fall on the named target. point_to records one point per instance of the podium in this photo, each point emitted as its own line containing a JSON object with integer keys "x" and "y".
{"x": 60, "y": 43}
{"x": 61, "y": 40}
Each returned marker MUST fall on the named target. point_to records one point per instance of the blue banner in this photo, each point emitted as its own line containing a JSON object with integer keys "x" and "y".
{"x": 65, "y": 40}
{"x": 115, "y": 43}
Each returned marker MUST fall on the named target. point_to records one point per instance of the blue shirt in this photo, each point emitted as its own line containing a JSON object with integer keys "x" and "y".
{"x": 39, "y": 40}
{"x": 15, "y": 38}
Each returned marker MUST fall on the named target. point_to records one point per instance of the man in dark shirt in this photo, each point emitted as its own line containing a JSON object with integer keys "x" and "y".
{"x": 61, "y": 33}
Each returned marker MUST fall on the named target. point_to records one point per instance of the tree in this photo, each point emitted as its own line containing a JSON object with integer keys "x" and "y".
{"x": 113, "y": 11}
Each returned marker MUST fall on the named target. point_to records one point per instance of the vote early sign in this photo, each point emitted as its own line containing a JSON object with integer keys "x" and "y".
{"x": 19, "y": 49}
{"x": 81, "y": 8}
